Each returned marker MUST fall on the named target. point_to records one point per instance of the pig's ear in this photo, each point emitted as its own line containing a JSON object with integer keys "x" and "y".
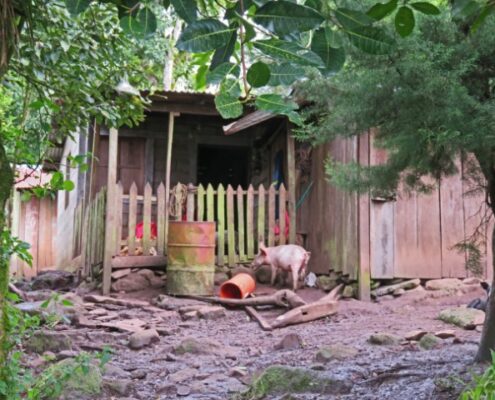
{"x": 262, "y": 248}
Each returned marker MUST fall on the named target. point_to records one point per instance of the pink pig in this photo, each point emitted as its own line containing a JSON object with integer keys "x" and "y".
{"x": 287, "y": 257}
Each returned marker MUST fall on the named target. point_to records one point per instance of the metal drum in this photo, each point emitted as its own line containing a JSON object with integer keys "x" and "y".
{"x": 191, "y": 258}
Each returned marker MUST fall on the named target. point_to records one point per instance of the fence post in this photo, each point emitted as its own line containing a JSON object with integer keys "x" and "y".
{"x": 240, "y": 223}
{"x": 190, "y": 202}
{"x": 147, "y": 219}
{"x": 120, "y": 207}
{"x": 161, "y": 214}
{"x": 221, "y": 224}
{"x": 201, "y": 203}
{"x": 249, "y": 222}
{"x": 131, "y": 241}
{"x": 261, "y": 214}
{"x": 230, "y": 225}
{"x": 281, "y": 213}
{"x": 210, "y": 203}
{"x": 271, "y": 215}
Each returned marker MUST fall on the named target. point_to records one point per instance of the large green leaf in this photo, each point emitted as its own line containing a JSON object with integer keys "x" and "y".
{"x": 228, "y": 106}
{"x": 352, "y": 19}
{"x": 186, "y": 9}
{"x": 275, "y": 104}
{"x": 425, "y": 8}
{"x": 204, "y": 35}
{"x": 141, "y": 23}
{"x": 464, "y": 9}
{"x": 382, "y": 10}
{"x": 332, "y": 58}
{"x": 284, "y": 74}
{"x": 223, "y": 54}
{"x": 371, "y": 40}
{"x": 287, "y": 51}
{"x": 222, "y": 71}
{"x": 231, "y": 87}
{"x": 404, "y": 21}
{"x": 77, "y": 6}
{"x": 283, "y": 17}
{"x": 258, "y": 74}
{"x": 200, "y": 79}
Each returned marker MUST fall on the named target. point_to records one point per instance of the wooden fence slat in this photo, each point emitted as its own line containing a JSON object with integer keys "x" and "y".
{"x": 271, "y": 215}
{"x": 190, "y": 203}
{"x": 249, "y": 222}
{"x": 119, "y": 203}
{"x": 210, "y": 203}
{"x": 240, "y": 223}
{"x": 230, "y": 226}
{"x": 92, "y": 233}
{"x": 161, "y": 214}
{"x": 261, "y": 215}
{"x": 147, "y": 220}
{"x": 201, "y": 203}
{"x": 95, "y": 238}
{"x": 131, "y": 243}
{"x": 221, "y": 224}
{"x": 101, "y": 224}
{"x": 281, "y": 213}
{"x": 84, "y": 248}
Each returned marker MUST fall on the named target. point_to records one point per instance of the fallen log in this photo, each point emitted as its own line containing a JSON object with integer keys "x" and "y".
{"x": 382, "y": 291}
{"x": 282, "y": 298}
{"x": 265, "y": 325}
{"x": 306, "y": 313}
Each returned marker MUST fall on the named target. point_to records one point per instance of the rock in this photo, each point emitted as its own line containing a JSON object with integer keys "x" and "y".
{"x": 139, "y": 374}
{"x": 120, "y": 273}
{"x": 384, "y": 290}
{"x": 203, "y": 346}
{"x": 279, "y": 380}
{"x": 183, "y": 375}
{"x": 190, "y": 315}
{"x": 119, "y": 386}
{"x": 131, "y": 283}
{"x": 335, "y": 352}
{"x": 114, "y": 371}
{"x": 445, "y": 334}
{"x": 125, "y": 325}
{"x": 443, "y": 284}
{"x": 76, "y": 382}
{"x": 384, "y": 339}
{"x": 183, "y": 390}
{"x": 42, "y": 341}
{"x": 163, "y": 331}
{"x": 471, "y": 281}
{"x": 128, "y": 303}
{"x": 429, "y": 341}
{"x": 240, "y": 269}
{"x": 325, "y": 283}
{"x": 53, "y": 279}
{"x": 398, "y": 292}
{"x": 264, "y": 274}
{"x": 62, "y": 355}
{"x": 143, "y": 338}
{"x": 220, "y": 277}
{"x": 467, "y": 318}
{"x": 170, "y": 357}
{"x": 238, "y": 372}
{"x": 348, "y": 292}
{"x": 289, "y": 342}
{"x": 415, "y": 335}
{"x": 479, "y": 328}
{"x": 211, "y": 312}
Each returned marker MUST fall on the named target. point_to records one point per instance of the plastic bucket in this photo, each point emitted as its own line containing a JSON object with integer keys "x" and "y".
{"x": 239, "y": 287}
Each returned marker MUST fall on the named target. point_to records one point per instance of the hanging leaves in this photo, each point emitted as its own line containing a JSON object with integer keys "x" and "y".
{"x": 351, "y": 19}
{"x": 186, "y": 9}
{"x": 284, "y": 74}
{"x": 228, "y": 106}
{"x": 222, "y": 71}
{"x": 139, "y": 23}
{"x": 380, "y": 10}
{"x": 258, "y": 74}
{"x": 204, "y": 35}
{"x": 371, "y": 40}
{"x": 404, "y": 21}
{"x": 333, "y": 58}
{"x": 425, "y": 8}
{"x": 288, "y": 51}
{"x": 77, "y": 6}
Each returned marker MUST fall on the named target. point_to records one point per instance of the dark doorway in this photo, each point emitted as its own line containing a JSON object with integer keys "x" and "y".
{"x": 223, "y": 164}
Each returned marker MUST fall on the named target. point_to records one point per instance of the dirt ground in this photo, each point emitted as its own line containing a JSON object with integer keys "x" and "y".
{"x": 233, "y": 349}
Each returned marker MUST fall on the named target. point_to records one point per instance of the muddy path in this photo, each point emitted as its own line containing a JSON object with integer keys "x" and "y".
{"x": 217, "y": 358}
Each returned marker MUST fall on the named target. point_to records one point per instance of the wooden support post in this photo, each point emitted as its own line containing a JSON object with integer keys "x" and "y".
{"x": 364, "y": 272}
{"x": 111, "y": 215}
{"x": 170, "y": 138}
{"x": 291, "y": 184}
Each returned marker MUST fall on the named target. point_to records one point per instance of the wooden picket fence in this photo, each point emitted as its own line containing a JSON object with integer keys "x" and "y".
{"x": 243, "y": 217}
{"x": 89, "y": 233}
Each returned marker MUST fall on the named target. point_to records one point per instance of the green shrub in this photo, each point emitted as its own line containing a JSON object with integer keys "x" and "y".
{"x": 483, "y": 386}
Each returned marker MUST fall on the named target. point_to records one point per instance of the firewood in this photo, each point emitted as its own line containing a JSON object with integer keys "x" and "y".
{"x": 306, "y": 313}
{"x": 265, "y": 325}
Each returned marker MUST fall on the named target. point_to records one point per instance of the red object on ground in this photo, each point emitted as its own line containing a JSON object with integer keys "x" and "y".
{"x": 239, "y": 287}
{"x": 140, "y": 230}
{"x": 276, "y": 229}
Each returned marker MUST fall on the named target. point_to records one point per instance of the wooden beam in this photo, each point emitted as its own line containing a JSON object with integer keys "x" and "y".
{"x": 149, "y": 164}
{"x": 119, "y": 262}
{"x": 291, "y": 183}
{"x": 248, "y": 121}
{"x": 111, "y": 215}
{"x": 174, "y": 108}
{"x": 170, "y": 138}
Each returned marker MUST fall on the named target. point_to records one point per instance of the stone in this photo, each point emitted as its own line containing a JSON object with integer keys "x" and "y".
{"x": 125, "y": 325}
{"x": 445, "y": 334}
{"x": 54, "y": 280}
{"x": 466, "y": 318}
{"x": 471, "y": 281}
{"x": 163, "y": 331}
{"x": 219, "y": 278}
{"x": 326, "y": 283}
{"x": 415, "y": 335}
{"x": 143, "y": 338}
{"x": 348, "y": 292}
{"x": 170, "y": 357}
{"x": 238, "y": 372}
{"x": 183, "y": 375}
{"x": 114, "y": 371}
{"x": 279, "y": 380}
{"x": 119, "y": 386}
{"x": 139, "y": 374}
{"x": 183, "y": 390}
{"x": 120, "y": 273}
{"x": 190, "y": 315}
{"x": 42, "y": 341}
{"x": 429, "y": 341}
{"x": 131, "y": 283}
{"x": 211, "y": 312}
{"x": 449, "y": 284}
{"x": 62, "y": 355}
{"x": 290, "y": 341}
{"x": 398, "y": 292}
{"x": 335, "y": 352}
{"x": 193, "y": 345}
{"x": 384, "y": 339}
{"x": 76, "y": 382}
{"x": 264, "y": 274}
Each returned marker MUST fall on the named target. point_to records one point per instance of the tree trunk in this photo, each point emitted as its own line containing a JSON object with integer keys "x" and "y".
{"x": 168, "y": 69}
{"x": 487, "y": 343}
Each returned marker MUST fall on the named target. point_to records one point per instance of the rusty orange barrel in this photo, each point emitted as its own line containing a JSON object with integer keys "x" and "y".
{"x": 191, "y": 258}
{"x": 238, "y": 287}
